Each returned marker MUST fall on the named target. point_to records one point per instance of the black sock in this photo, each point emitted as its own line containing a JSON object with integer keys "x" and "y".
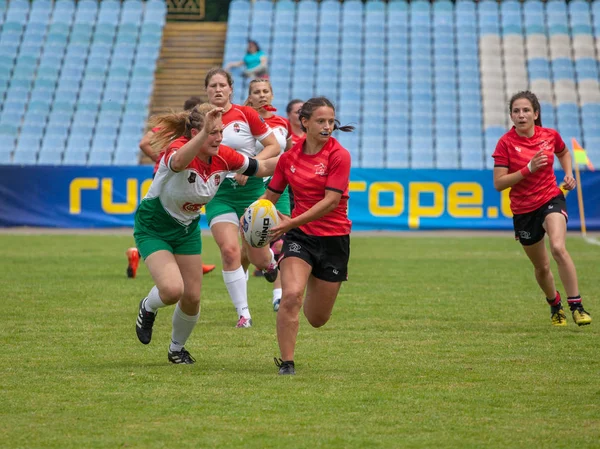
{"x": 574, "y": 302}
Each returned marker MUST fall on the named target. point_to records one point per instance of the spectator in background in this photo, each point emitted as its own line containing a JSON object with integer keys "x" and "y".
{"x": 255, "y": 62}
{"x": 133, "y": 255}
{"x": 523, "y": 161}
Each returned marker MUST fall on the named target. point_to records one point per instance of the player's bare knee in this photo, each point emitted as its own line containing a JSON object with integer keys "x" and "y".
{"x": 317, "y": 319}
{"x": 171, "y": 292}
{"x": 291, "y": 302}
{"x": 558, "y": 251}
{"x": 542, "y": 270}
{"x": 230, "y": 254}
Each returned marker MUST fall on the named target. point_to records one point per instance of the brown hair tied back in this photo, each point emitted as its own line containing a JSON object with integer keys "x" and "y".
{"x": 309, "y": 107}
{"x": 533, "y": 99}
{"x": 174, "y": 125}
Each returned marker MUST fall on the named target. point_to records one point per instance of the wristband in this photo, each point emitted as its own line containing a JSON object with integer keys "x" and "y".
{"x": 526, "y": 171}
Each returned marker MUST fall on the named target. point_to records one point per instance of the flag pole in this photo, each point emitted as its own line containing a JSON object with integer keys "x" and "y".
{"x": 580, "y": 200}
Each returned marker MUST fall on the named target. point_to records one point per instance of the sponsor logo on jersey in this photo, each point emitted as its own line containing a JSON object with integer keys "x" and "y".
{"x": 293, "y": 169}
{"x": 236, "y": 127}
{"x": 192, "y": 207}
{"x": 217, "y": 179}
{"x": 320, "y": 169}
{"x": 518, "y": 149}
{"x": 192, "y": 178}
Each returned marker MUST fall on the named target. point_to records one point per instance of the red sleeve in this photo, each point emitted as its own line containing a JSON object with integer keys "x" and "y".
{"x": 338, "y": 174}
{"x": 278, "y": 182}
{"x": 500, "y": 154}
{"x": 258, "y": 126}
{"x": 234, "y": 160}
{"x": 171, "y": 149}
{"x": 559, "y": 144}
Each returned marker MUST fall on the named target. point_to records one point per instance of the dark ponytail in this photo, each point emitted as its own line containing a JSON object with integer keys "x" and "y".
{"x": 309, "y": 107}
{"x": 533, "y": 99}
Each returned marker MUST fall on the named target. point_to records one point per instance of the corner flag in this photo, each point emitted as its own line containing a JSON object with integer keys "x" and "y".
{"x": 581, "y": 157}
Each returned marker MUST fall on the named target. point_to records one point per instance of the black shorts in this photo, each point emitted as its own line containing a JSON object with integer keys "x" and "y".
{"x": 529, "y": 227}
{"x": 328, "y": 256}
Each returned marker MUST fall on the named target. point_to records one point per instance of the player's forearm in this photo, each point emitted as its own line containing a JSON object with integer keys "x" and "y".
{"x": 504, "y": 182}
{"x": 566, "y": 163}
{"x": 319, "y": 210}
{"x": 186, "y": 154}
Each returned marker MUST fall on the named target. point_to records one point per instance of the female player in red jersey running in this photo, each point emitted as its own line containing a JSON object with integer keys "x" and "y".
{"x": 166, "y": 227}
{"x": 524, "y": 157}
{"x": 316, "y": 245}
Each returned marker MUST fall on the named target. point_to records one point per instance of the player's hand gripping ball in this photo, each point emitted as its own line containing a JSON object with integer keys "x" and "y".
{"x": 257, "y": 221}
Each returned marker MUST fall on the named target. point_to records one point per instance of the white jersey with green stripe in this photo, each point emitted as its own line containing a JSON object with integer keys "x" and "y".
{"x": 182, "y": 194}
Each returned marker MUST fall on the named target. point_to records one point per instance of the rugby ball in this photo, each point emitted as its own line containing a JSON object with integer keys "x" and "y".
{"x": 257, "y": 221}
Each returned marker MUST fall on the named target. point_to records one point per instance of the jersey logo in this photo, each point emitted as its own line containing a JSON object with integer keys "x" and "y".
{"x": 320, "y": 169}
{"x": 293, "y": 169}
{"x": 192, "y": 207}
{"x": 217, "y": 179}
{"x": 236, "y": 128}
{"x": 517, "y": 149}
{"x": 192, "y": 178}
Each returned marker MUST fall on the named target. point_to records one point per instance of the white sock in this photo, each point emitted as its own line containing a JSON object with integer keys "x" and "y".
{"x": 276, "y": 294}
{"x": 183, "y": 325}
{"x": 273, "y": 261}
{"x": 153, "y": 301}
{"x": 235, "y": 281}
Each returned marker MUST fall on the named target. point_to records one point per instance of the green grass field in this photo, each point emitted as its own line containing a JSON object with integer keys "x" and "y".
{"x": 434, "y": 342}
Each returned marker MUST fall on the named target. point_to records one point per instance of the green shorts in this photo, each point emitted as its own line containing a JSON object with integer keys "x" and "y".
{"x": 154, "y": 230}
{"x": 283, "y": 203}
{"x": 233, "y": 198}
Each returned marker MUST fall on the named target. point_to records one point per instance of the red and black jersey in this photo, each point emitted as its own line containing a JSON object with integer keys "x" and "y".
{"x": 309, "y": 176}
{"x": 514, "y": 152}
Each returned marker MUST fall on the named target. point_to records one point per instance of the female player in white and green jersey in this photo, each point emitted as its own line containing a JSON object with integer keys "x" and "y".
{"x": 260, "y": 97}
{"x": 166, "y": 227}
{"x": 242, "y": 128}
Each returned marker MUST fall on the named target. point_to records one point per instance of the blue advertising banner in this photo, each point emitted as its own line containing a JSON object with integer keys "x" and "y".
{"x": 100, "y": 197}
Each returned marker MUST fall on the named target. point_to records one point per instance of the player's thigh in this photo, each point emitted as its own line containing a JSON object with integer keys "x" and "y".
{"x": 320, "y": 299}
{"x": 225, "y": 233}
{"x": 555, "y": 225}
{"x": 165, "y": 272}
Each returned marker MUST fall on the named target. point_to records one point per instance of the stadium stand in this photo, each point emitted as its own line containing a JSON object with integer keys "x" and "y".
{"x": 426, "y": 83}
{"x": 76, "y": 79}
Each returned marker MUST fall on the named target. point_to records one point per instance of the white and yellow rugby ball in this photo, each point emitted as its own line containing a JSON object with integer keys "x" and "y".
{"x": 258, "y": 220}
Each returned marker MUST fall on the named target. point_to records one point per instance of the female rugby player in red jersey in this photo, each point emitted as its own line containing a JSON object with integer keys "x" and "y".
{"x": 524, "y": 158}
{"x": 316, "y": 244}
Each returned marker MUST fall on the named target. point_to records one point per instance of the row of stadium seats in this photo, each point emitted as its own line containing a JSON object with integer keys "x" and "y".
{"x": 428, "y": 82}
{"x": 76, "y": 79}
